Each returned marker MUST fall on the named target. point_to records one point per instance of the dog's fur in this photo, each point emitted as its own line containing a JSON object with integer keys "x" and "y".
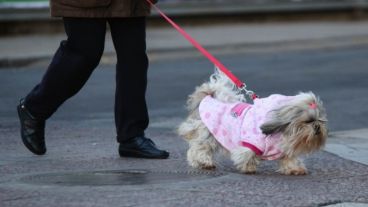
{"x": 303, "y": 130}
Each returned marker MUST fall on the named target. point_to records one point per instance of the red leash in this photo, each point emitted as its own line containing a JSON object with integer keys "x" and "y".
{"x": 207, "y": 54}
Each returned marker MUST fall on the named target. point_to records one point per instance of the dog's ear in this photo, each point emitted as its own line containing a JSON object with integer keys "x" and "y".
{"x": 279, "y": 119}
{"x": 273, "y": 126}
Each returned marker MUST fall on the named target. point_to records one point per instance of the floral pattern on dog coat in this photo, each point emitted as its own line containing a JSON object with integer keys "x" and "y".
{"x": 238, "y": 124}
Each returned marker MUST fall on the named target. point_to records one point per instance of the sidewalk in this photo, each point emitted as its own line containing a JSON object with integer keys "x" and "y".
{"x": 21, "y": 50}
{"x": 82, "y": 169}
{"x": 351, "y": 145}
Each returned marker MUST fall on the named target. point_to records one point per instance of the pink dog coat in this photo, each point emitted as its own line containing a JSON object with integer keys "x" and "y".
{"x": 238, "y": 124}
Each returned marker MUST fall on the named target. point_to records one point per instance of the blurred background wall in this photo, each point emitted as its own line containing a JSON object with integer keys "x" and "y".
{"x": 32, "y": 16}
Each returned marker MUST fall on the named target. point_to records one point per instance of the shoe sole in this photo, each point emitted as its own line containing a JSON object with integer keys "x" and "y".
{"x": 136, "y": 154}
{"x": 28, "y": 146}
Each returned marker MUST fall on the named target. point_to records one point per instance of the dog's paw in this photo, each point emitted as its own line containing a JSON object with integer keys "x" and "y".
{"x": 248, "y": 169}
{"x": 207, "y": 167}
{"x": 292, "y": 166}
{"x": 203, "y": 166}
{"x": 250, "y": 172}
{"x": 296, "y": 171}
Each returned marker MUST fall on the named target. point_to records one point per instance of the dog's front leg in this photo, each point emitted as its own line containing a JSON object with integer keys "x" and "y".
{"x": 244, "y": 160}
{"x": 292, "y": 166}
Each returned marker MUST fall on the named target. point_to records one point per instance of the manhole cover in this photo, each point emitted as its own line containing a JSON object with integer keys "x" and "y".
{"x": 118, "y": 177}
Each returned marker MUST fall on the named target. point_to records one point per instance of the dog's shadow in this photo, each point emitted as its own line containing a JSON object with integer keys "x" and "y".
{"x": 313, "y": 162}
{"x": 225, "y": 165}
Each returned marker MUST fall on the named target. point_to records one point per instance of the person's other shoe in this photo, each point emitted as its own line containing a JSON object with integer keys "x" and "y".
{"x": 32, "y": 130}
{"x": 141, "y": 147}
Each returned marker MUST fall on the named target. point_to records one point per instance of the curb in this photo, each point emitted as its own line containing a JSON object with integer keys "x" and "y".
{"x": 350, "y": 145}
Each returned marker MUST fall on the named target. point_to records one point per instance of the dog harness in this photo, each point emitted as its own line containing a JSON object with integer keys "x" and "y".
{"x": 238, "y": 124}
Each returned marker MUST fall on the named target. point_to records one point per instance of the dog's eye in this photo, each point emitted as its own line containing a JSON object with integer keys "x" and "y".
{"x": 310, "y": 121}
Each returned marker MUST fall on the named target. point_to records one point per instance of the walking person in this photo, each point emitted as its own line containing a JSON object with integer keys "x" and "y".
{"x": 85, "y": 24}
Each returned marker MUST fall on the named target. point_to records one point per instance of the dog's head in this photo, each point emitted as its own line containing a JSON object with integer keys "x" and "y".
{"x": 302, "y": 123}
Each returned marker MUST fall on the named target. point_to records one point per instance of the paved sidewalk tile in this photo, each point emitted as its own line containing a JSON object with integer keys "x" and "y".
{"x": 83, "y": 149}
{"x": 351, "y": 145}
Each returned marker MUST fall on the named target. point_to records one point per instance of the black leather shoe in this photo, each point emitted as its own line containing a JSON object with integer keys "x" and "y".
{"x": 141, "y": 147}
{"x": 32, "y": 130}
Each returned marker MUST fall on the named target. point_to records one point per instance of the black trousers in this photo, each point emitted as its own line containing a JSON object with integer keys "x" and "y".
{"x": 79, "y": 55}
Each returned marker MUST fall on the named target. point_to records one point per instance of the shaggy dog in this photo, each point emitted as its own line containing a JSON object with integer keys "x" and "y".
{"x": 276, "y": 127}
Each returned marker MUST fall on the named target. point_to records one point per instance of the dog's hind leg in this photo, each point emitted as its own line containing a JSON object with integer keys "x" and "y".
{"x": 200, "y": 153}
{"x": 245, "y": 160}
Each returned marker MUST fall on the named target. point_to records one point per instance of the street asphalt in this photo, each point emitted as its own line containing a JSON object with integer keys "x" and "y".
{"x": 82, "y": 167}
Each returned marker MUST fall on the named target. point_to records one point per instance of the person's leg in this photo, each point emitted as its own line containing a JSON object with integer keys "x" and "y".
{"x": 69, "y": 70}
{"x": 71, "y": 66}
{"x": 131, "y": 116}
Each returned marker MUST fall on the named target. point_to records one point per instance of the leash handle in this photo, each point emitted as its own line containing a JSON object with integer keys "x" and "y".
{"x": 201, "y": 49}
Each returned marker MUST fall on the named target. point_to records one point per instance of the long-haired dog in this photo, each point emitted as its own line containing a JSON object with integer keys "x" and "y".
{"x": 276, "y": 127}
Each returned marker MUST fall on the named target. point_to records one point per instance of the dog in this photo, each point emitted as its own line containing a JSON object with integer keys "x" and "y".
{"x": 277, "y": 127}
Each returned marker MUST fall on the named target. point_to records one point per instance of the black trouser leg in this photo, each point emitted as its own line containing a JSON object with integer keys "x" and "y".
{"x": 129, "y": 38}
{"x": 71, "y": 66}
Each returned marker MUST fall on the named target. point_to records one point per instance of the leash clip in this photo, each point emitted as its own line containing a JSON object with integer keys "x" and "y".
{"x": 243, "y": 89}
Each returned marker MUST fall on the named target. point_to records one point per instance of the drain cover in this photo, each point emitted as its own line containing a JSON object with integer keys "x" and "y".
{"x": 118, "y": 177}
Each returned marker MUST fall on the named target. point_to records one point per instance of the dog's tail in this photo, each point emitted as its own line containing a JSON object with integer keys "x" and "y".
{"x": 219, "y": 86}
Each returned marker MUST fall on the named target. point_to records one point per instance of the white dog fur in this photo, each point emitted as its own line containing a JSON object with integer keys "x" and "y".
{"x": 302, "y": 130}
